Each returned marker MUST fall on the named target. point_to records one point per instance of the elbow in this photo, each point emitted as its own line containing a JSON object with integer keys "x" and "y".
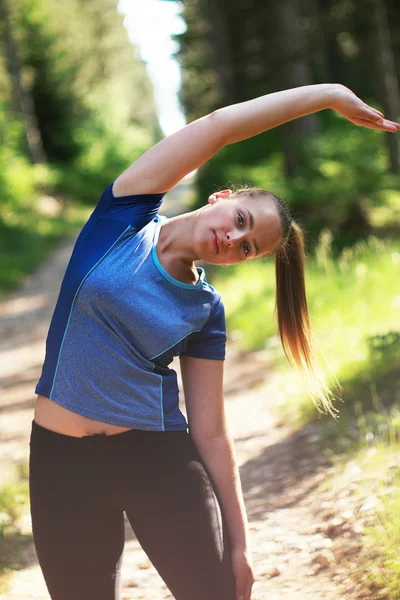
{"x": 210, "y": 436}
{"x": 214, "y": 446}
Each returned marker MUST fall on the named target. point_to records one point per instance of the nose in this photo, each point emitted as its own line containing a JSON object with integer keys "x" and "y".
{"x": 233, "y": 237}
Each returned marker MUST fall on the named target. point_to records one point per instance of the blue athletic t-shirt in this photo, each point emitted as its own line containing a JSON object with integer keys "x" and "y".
{"x": 120, "y": 318}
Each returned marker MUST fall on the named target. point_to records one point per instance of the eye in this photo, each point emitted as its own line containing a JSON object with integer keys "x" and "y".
{"x": 240, "y": 220}
{"x": 246, "y": 248}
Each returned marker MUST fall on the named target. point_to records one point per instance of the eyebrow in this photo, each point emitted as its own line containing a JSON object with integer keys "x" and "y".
{"x": 251, "y": 227}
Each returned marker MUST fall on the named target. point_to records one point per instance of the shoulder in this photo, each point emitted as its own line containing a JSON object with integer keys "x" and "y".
{"x": 217, "y": 305}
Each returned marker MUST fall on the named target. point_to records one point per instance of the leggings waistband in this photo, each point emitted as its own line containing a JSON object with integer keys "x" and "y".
{"x": 42, "y": 433}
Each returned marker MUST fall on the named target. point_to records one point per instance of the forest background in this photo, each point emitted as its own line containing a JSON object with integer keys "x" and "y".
{"x": 77, "y": 107}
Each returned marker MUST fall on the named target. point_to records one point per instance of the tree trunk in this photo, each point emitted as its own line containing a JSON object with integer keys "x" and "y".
{"x": 387, "y": 80}
{"x": 317, "y": 42}
{"x": 227, "y": 46}
{"x": 291, "y": 70}
{"x": 21, "y": 95}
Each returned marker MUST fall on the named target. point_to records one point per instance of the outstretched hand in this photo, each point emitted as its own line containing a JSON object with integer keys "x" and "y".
{"x": 346, "y": 103}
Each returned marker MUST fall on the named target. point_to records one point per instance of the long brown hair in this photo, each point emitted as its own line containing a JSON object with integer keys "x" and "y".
{"x": 291, "y": 303}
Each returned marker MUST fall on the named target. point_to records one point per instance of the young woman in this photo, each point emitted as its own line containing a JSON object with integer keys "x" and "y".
{"x": 107, "y": 434}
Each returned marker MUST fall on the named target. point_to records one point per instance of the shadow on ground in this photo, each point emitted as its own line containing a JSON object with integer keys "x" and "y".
{"x": 285, "y": 473}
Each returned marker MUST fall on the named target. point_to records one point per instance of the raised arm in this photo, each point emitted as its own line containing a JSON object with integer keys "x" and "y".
{"x": 166, "y": 163}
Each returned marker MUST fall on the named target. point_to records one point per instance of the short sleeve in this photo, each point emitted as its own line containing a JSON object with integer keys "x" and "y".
{"x": 210, "y": 341}
{"x": 136, "y": 210}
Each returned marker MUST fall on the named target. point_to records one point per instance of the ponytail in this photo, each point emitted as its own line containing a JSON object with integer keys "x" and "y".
{"x": 291, "y": 302}
{"x": 293, "y": 318}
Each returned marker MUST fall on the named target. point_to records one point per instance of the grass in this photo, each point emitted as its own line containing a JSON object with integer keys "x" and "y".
{"x": 384, "y": 466}
{"x": 371, "y": 470}
{"x": 14, "y": 500}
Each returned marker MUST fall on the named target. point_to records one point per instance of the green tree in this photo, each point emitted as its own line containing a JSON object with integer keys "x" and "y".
{"x": 21, "y": 95}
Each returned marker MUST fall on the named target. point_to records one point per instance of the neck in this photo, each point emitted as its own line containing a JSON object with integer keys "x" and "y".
{"x": 175, "y": 238}
{"x": 175, "y": 247}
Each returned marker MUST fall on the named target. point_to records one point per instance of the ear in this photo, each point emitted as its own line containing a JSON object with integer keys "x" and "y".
{"x": 217, "y": 195}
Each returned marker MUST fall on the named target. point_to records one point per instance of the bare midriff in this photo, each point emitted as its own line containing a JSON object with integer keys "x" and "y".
{"x": 52, "y": 416}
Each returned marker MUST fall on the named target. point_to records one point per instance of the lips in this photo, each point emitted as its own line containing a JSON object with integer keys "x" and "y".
{"x": 216, "y": 242}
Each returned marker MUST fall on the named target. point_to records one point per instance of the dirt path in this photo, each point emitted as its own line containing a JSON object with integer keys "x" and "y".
{"x": 295, "y": 531}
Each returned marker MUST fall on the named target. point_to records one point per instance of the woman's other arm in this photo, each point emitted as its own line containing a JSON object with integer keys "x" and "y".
{"x": 166, "y": 163}
{"x": 244, "y": 120}
{"x": 203, "y": 388}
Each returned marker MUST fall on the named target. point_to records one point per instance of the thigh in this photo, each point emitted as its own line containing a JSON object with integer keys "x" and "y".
{"x": 78, "y": 538}
{"x": 178, "y": 522}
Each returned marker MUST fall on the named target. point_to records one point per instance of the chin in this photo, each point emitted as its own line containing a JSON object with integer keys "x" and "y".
{"x": 207, "y": 259}
{"x": 213, "y": 261}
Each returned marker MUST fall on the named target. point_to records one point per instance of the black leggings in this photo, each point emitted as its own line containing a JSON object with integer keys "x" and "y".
{"x": 79, "y": 489}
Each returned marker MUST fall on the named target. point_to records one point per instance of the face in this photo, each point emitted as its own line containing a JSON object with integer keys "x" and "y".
{"x": 231, "y": 230}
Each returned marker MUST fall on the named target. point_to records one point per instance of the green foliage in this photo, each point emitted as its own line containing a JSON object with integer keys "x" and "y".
{"x": 82, "y": 75}
{"x": 14, "y": 497}
{"x": 104, "y": 157}
{"x": 384, "y": 347}
{"x": 94, "y": 106}
{"x": 56, "y": 104}
{"x": 88, "y": 73}
{"x": 27, "y": 233}
{"x": 23, "y": 247}
{"x": 385, "y": 570}
{"x": 14, "y": 500}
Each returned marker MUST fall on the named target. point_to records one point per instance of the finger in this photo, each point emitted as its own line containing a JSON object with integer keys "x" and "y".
{"x": 385, "y": 126}
{"x": 397, "y": 125}
{"x": 378, "y": 112}
{"x": 390, "y": 125}
{"x": 249, "y": 585}
{"x": 369, "y": 114}
{"x": 240, "y": 589}
{"x": 364, "y": 123}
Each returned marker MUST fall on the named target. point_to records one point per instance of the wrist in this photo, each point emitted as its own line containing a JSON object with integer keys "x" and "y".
{"x": 241, "y": 546}
{"x": 333, "y": 93}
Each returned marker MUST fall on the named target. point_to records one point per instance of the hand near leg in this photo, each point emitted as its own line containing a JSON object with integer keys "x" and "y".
{"x": 243, "y": 572}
